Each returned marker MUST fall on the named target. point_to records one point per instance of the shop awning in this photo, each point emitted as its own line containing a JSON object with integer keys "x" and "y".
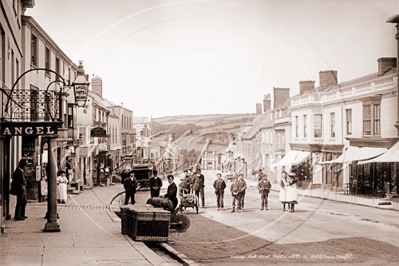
{"x": 357, "y": 154}
{"x": 292, "y": 158}
{"x": 391, "y": 156}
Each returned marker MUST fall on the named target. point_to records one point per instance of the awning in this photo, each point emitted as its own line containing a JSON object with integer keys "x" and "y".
{"x": 357, "y": 154}
{"x": 391, "y": 156}
{"x": 292, "y": 158}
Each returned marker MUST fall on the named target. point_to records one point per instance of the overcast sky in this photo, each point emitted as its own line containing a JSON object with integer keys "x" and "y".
{"x": 171, "y": 57}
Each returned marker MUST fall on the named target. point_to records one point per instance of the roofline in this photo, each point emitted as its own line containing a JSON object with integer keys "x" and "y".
{"x": 30, "y": 21}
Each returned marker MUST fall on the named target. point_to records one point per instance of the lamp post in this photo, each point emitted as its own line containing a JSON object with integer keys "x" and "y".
{"x": 80, "y": 86}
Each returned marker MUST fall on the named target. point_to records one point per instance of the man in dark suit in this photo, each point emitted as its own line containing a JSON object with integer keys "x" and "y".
{"x": 198, "y": 187}
{"x": 172, "y": 191}
{"x": 130, "y": 186}
{"x": 155, "y": 185}
{"x": 19, "y": 187}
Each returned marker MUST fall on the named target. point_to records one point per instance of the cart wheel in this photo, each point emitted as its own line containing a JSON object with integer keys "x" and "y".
{"x": 182, "y": 223}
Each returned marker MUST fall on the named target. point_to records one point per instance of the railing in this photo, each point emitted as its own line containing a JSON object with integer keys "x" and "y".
{"x": 30, "y": 105}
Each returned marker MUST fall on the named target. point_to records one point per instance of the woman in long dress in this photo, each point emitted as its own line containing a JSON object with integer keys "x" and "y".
{"x": 283, "y": 190}
{"x": 62, "y": 182}
{"x": 291, "y": 196}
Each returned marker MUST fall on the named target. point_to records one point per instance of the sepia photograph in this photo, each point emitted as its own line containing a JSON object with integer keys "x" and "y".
{"x": 199, "y": 132}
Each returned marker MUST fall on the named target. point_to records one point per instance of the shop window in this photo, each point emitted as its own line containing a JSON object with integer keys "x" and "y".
{"x": 318, "y": 126}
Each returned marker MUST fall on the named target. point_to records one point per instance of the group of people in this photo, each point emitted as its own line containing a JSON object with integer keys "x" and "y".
{"x": 194, "y": 183}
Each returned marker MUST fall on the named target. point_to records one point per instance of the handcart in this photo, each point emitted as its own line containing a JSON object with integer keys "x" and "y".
{"x": 189, "y": 200}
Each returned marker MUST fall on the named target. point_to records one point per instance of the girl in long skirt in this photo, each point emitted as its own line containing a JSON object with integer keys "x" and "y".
{"x": 291, "y": 196}
{"x": 62, "y": 182}
{"x": 283, "y": 190}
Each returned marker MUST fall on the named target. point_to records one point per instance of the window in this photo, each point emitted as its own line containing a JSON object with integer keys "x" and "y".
{"x": 377, "y": 122}
{"x": 332, "y": 124}
{"x": 33, "y": 50}
{"x": 70, "y": 116}
{"x": 367, "y": 120}
{"x": 82, "y": 135}
{"x": 318, "y": 126}
{"x": 57, "y": 67}
{"x": 47, "y": 60}
{"x": 348, "y": 121}
{"x": 305, "y": 135}
{"x": 296, "y": 127}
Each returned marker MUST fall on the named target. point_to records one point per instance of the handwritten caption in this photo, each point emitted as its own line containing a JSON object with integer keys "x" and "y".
{"x": 292, "y": 256}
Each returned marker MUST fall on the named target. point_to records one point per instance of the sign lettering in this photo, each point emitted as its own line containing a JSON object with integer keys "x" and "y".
{"x": 28, "y": 129}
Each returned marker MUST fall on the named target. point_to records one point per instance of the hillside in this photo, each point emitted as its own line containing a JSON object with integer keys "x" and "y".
{"x": 221, "y": 124}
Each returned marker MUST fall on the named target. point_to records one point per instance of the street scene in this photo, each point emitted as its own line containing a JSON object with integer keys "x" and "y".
{"x": 200, "y": 132}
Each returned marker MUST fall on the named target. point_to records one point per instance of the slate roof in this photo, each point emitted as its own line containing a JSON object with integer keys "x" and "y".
{"x": 261, "y": 121}
{"x": 98, "y": 100}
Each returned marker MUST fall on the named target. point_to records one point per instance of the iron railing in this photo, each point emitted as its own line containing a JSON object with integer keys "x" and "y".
{"x": 30, "y": 105}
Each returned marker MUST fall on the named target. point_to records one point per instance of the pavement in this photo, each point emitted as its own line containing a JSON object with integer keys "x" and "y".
{"x": 90, "y": 235}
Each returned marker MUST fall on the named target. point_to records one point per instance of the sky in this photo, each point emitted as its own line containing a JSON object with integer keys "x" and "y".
{"x": 187, "y": 57}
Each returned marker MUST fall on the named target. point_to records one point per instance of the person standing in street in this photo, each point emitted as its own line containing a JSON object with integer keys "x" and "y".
{"x": 187, "y": 181}
{"x": 264, "y": 187}
{"x": 261, "y": 175}
{"x": 283, "y": 188}
{"x": 235, "y": 189}
{"x": 130, "y": 186}
{"x": 62, "y": 182}
{"x": 219, "y": 186}
{"x": 243, "y": 188}
{"x": 171, "y": 192}
{"x": 291, "y": 196}
{"x": 198, "y": 187}
{"x": 155, "y": 185}
{"x": 18, "y": 188}
{"x": 191, "y": 176}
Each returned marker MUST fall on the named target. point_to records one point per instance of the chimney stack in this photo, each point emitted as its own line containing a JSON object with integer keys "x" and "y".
{"x": 280, "y": 96}
{"x": 267, "y": 103}
{"x": 258, "y": 108}
{"x": 306, "y": 85}
{"x": 97, "y": 85}
{"x": 385, "y": 64}
{"x": 328, "y": 77}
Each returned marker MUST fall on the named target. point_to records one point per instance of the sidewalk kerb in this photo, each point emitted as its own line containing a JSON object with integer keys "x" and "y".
{"x": 177, "y": 255}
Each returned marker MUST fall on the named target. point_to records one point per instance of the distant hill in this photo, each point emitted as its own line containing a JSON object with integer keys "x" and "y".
{"x": 221, "y": 124}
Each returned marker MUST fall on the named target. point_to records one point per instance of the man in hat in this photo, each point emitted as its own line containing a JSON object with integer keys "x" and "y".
{"x": 155, "y": 185}
{"x": 243, "y": 188}
{"x": 235, "y": 190}
{"x": 18, "y": 186}
{"x": 264, "y": 187}
{"x": 219, "y": 186}
{"x": 261, "y": 175}
{"x": 198, "y": 187}
{"x": 130, "y": 186}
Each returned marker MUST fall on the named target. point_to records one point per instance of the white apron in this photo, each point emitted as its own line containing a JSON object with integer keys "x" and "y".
{"x": 62, "y": 187}
{"x": 283, "y": 192}
{"x": 291, "y": 196}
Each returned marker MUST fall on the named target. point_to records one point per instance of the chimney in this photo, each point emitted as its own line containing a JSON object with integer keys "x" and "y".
{"x": 385, "y": 64}
{"x": 280, "y": 96}
{"x": 328, "y": 77}
{"x": 258, "y": 108}
{"x": 267, "y": 103}
{"x": 306, "y": 85}
{"x": 97, "y": 85}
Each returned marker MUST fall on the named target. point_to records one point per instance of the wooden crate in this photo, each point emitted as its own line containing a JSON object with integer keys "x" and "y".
{"x": 148, "y": 223}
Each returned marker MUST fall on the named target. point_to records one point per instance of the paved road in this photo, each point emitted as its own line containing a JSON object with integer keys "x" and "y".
{"x": 318, "y": 227}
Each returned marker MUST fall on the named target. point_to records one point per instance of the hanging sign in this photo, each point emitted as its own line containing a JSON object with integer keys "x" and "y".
{"x": 98, "y": 132}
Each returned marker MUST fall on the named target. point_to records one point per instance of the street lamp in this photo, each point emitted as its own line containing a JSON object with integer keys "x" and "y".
{"x": 81, "y": 86}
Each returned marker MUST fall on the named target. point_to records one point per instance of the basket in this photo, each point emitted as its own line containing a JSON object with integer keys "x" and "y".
{"x": 149, "y": 224}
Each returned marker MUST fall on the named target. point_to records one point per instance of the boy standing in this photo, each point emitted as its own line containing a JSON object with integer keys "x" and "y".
{"x": 264, "y": 187}
{"x": 235, "y": 189}
{"x": 219, "y": 186}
